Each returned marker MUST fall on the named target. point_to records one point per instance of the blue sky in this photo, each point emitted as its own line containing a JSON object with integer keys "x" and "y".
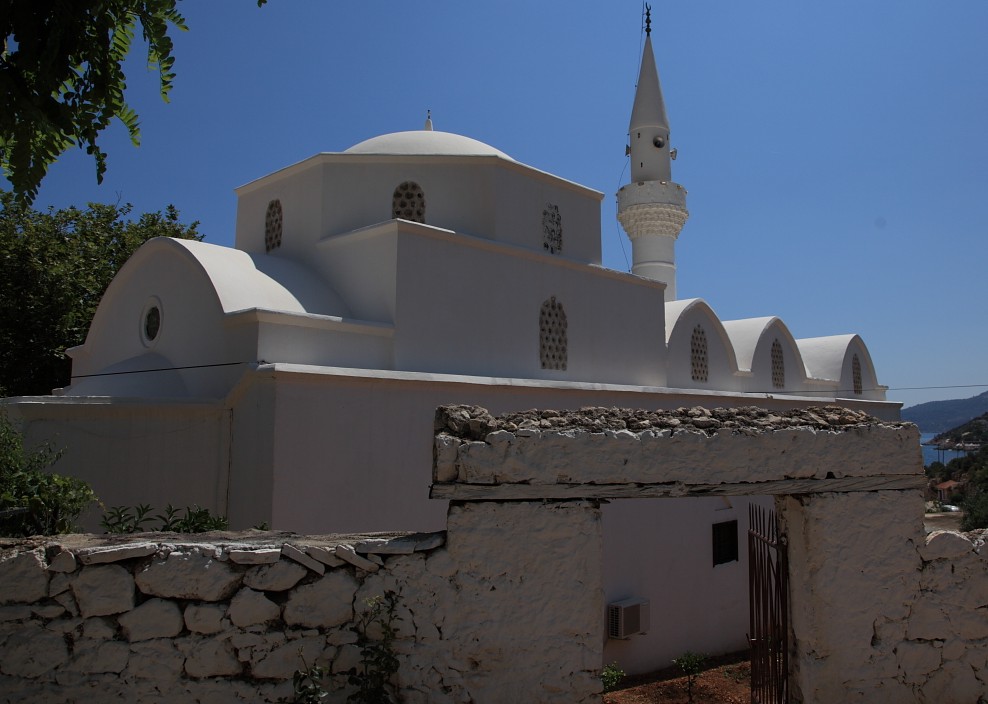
{"x": 834, "y": 153}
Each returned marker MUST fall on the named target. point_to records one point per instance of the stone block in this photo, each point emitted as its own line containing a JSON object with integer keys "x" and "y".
{"x": 48, "y": 611}
{"x": 18, "y": 612}
{"x": 322, "y": 604}
{"x": 157, "y": 660}
{"x": 103, "y": 590}
{"x": 945, "y": 544}
{"x": 116, "y": 553}
{"x": 264, "y": 556}
{"x": 68, "y": 601}
{"x": 954, "y": 682}
{"x": 204, "y": 618}
{"x": 155, "y": 618}
{"x": 327, "y": 556}
{"x": 348, "y": 554}
{"x": 23, "y": 578}
{"x": 195, "y": 574}
{"x": 60, "y": 582}
{"x": 928, "y": 621}
{"x": 277, "y": 577}
{"x": 444, "y": 466}
{"x": 64, "y": 625}
{"x": 917, "y": 659}
{"x": 33, "y": 651}
{"x": 348, "y": 656}
{"x": 969, "y": 624}
{"x": 63, "y": 562}
{"x": 249, "y": 608}
{"x": 282, "y": 662}
{"x": 214, "y": 657}
{"x": 94, "y": 657}
{"x": 98, "y": 629}
{"x": 293, "y": 553}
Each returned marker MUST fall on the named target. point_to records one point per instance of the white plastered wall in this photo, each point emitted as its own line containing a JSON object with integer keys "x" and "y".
{"x": 482, "y": 196}
{"x": 473, "y": 307}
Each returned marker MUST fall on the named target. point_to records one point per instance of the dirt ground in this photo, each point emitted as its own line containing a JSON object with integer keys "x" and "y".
{"x": 942, "y": 521}
{"x": 727, "y": 681}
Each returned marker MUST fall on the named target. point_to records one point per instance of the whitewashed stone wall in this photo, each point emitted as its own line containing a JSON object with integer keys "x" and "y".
{"x": 509, "y": 609}
{"x": 880, "y": 612}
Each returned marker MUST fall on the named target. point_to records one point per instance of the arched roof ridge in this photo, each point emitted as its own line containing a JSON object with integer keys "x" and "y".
{"x": 680, "y": 309}
{"x": 824, "y": 356}
{"x": 747, "y": 335}
{"x": 243, "y": 281}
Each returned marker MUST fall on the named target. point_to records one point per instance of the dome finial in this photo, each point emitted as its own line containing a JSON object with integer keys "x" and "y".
{"x": 428, "y": 120}
{"x": 648, "y": 20}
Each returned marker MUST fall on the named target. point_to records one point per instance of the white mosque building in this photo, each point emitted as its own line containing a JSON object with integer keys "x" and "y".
{"x": 293, "y": 379}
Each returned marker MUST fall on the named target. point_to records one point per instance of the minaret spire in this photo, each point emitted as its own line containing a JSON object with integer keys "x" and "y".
{"x": 652, "y": 209}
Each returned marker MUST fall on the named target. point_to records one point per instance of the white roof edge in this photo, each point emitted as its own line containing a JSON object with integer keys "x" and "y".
{"x": 343, "y": 157}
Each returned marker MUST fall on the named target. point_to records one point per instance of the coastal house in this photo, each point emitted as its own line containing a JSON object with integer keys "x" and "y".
{"x": 415, "y": 269}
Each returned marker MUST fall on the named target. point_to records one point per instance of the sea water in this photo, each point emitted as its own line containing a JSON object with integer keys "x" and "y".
{"x": 932, "y": 454}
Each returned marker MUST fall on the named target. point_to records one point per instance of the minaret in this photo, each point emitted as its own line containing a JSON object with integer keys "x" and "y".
{"x": 652, "y": 209}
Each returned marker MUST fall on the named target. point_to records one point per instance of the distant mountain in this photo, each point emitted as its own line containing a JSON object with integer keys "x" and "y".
{"x": 974, "y": 432}
{"x": 940, "y": 416}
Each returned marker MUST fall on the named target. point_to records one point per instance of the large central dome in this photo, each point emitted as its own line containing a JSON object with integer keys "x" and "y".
{"x": 425, "y": 142}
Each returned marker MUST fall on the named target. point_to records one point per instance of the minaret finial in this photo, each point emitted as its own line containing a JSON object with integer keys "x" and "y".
{"x": 428, "y": 120}
{"x": 648, "y": 20}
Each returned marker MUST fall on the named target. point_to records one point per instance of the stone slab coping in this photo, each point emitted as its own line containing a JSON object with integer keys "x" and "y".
{"x": 243, "y": 547}
{"x": 598, "y": 452}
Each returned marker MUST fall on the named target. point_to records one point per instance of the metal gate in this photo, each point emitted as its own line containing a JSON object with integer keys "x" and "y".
{"x": 768, "y": 594}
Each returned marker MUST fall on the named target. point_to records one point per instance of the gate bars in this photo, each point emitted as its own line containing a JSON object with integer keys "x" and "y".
{"x": 768, "y": 608}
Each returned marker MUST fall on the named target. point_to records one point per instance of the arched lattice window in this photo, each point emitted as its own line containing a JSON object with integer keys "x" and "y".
{"x": 273, "y": 226}
{"x": 698, "y": 355}
{"x": 408, "y": 202}
{"x": 778, "y": 366}
{"x": 552, "y": 335}
{"x": 856, "y": 374}
{"x": 552, "y": 229}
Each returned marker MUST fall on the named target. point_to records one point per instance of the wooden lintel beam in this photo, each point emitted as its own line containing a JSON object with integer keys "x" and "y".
{"x": 531, "y": 492}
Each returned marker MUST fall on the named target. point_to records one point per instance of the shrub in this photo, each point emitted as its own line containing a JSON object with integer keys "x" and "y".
{"x": 611, "y": 676}
{"x": 691, "y": 664}
{"x": 32, "y": 500}
{"x": 132, "y": 519}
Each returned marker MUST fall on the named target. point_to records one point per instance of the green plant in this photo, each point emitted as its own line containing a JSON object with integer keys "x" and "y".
{"x": 375, "y": 629}
{"x": 308, "y": 682}
{"x": 34, "y": 501}
{"x": 378, "y": 662}
{"x": 132, "y": 519}
{"x": 691, "y": 664}
{"x": 611, "y": 676}
{"x": 126, "y": 519}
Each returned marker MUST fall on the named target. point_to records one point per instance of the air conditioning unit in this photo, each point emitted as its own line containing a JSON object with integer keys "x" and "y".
{"x": 627, "y": 617}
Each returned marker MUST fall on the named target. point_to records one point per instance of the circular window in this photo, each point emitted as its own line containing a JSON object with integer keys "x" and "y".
{"x": 151, "y": 321}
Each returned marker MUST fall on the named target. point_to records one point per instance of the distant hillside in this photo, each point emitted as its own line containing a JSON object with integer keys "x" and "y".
{"x": 940, "y": 416}
{"x": 974, "y": 431}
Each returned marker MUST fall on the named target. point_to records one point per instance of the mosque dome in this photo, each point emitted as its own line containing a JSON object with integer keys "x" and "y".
{"x": 425, "y": 142}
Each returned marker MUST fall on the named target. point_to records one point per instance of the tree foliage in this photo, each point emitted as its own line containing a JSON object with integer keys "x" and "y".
{"x": 62, "y": 79}
{"x": 975, "y": 504}
{"x": 54, "y": 268}
{"x": 33, "y": 501}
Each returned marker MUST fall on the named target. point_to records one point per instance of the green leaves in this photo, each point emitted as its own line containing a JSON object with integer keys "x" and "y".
{"x": 132, "y": 519}
{"x": 33, "y": 501}
{"x": 61, "y": 75}
{"x": 54, "y": 268}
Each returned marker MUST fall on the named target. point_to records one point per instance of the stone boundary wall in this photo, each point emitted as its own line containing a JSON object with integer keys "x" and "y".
{"x": 880, "y": 612}
{"x": 224, "y": 617}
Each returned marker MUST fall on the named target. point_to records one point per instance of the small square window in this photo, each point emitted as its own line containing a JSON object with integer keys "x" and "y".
{"x": 725, "y": 542}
